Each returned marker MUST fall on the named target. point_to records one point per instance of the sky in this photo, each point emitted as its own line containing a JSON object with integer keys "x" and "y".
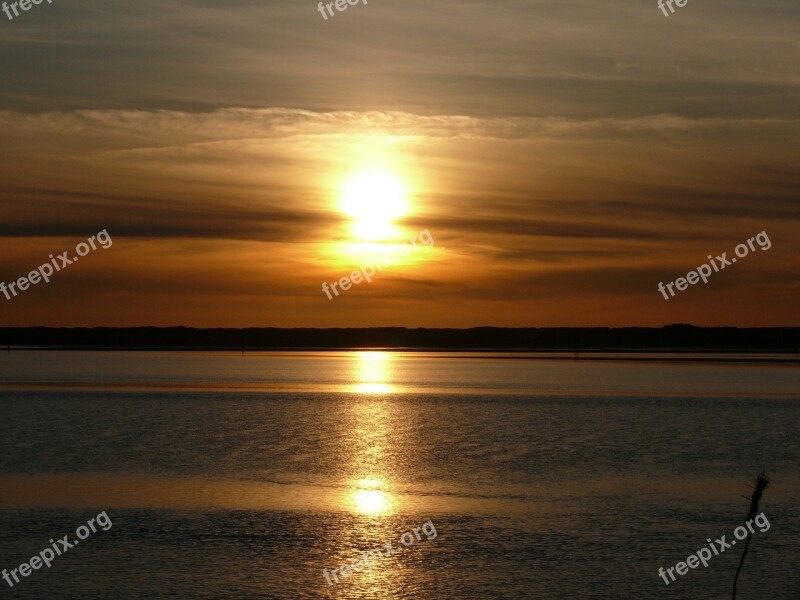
{"x": 563, "y": 158}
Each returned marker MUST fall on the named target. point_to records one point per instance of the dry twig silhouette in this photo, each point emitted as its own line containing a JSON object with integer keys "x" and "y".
{"x": 762, "y": 482}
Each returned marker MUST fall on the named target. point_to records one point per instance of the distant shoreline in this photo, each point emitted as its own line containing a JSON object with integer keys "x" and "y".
{"x": 571, "y": 342}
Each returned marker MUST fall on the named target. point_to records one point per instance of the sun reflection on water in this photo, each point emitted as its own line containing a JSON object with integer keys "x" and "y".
{"x": 371, "y": 494}
{"x": 372, "y": 433}
{"x": 370, "y": 502}
{"x": 371, "y": 373}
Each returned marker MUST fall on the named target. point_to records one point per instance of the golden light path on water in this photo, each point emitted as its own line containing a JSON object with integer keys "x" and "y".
{"x": 369, "y": 499}
{"x": 372, "y": 429}
{"x": 371, "y": 373}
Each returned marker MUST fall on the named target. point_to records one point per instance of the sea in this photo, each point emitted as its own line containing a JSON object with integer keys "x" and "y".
{"x": 396, "y": 475}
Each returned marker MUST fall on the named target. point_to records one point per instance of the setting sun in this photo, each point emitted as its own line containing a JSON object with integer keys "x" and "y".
{"x": 374, "y": 200}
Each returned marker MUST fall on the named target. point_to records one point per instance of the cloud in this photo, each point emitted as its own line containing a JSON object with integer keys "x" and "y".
{"x": 239, "y": 207}
{"x": 264, "y": 174}
{"x": 490, "y": 58}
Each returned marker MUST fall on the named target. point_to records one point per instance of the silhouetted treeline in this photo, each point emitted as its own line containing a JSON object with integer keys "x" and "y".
{"x": 671, "y": 337}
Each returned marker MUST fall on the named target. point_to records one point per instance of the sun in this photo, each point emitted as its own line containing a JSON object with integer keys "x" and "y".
{"x": 374, "y": 200}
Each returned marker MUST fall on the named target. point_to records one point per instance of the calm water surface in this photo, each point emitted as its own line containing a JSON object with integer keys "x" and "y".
{"x": 229, "y": 476}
